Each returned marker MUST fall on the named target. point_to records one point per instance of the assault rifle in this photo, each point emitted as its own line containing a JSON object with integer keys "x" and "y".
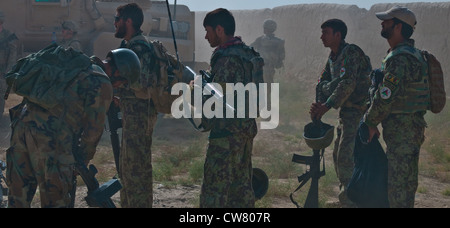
{"x": 97, "y": 196}
{"x": 209, "y": 88}
{"x": 3, "y": 191}
{"x": 318, "y": 136}
{"x": 114, "y": 123}
{"x": 206, "y": 80}
{"x": 314, "y": 173}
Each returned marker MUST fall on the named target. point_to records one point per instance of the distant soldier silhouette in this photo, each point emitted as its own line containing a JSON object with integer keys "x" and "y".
{"x": 271, "y": 48}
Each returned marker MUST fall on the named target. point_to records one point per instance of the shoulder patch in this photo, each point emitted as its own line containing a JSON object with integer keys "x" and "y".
{"x": 392, "y": 79}
{"x": 385, "y": 92}
{"x": 342, "y": 73}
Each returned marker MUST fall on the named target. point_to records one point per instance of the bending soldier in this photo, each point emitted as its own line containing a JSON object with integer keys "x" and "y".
{"x": 44, "y": 130}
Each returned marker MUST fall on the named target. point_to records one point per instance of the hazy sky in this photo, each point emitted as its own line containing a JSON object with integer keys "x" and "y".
{"x": 207, "y": 5}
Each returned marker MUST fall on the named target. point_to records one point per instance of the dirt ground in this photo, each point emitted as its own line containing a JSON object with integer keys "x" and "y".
{"x": 187, "y": 196}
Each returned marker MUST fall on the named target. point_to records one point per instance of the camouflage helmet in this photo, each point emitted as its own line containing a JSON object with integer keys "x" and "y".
{"x": 128, "y": 65}
{"x": 270, "y": 25}
{"x": 319, "y": 135}
{"x": 260, "y": 183}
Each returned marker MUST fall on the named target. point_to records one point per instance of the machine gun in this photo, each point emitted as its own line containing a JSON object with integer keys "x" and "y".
{"x": 3, "y": 190}
{"x": 318, "y": 136}
{"x": 97, "y": 196}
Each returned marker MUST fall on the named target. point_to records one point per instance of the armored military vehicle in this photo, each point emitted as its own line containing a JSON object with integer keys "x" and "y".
{"x": 38, "y": 22}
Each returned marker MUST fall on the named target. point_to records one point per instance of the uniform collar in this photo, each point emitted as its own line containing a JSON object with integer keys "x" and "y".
{"x": 341, "y": 47}
{"x": 237, "y": 40}
{"x": 408, "y": 42}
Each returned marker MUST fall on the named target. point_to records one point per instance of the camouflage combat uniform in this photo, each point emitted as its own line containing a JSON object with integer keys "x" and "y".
{"x": 8, "y": 57}
{"x": 344, "y": 84}
{"x": 227, "y": 180}
{"x": 400, "y": 105}
{"x": 42, "y": 140}
{"x": 272, "y": 50}
{"x": 138, "y": 120}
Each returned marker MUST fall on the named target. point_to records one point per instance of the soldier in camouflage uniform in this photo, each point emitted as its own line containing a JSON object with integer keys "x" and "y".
{"x": 42, "y": 139}
{"x": 343, "y": 84}
{"x": 8, "y": 57}
{"x": 227, "y": 180}
{"x": 139, "y": 114}
{"x": 400, "y": 105}
{"x": 69, "y": 32}
{"x": 272, "y": 50}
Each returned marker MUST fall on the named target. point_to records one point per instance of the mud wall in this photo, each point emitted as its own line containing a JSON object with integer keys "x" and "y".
{"x": 300, "y": 24}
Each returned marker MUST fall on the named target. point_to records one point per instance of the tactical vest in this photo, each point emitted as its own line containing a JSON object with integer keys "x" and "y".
{"x": 417, "y": 94}
{"x": 253, "y": 65}
{"x": 252, "y": 61}
{"x": 358, "y": 97}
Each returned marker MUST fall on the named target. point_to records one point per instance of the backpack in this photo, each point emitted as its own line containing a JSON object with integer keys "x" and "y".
{"x": 42, "y": 77}
{"x": 166, "y": 72}
{"x": 436, "y": 80}
{"x": 171, "y": 72}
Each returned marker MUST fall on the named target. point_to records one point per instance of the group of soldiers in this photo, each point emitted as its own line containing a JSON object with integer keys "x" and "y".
{"x": 42, "y": 138}
{"x": 398, "y": 101}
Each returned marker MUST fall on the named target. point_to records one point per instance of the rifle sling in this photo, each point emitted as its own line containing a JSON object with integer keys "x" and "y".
{"x": 302, "y": 179}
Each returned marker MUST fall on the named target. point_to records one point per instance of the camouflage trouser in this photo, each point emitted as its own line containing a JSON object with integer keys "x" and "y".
{"x": 404, "y": 135}
{"x": 36, "y": 159}
{"x": 349, "y": 120}
{"x": 138, "y": 119}
{"x": 227, "y": 180}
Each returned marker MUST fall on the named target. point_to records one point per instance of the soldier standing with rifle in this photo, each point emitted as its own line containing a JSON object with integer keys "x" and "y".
{"x": 227, "y": 180}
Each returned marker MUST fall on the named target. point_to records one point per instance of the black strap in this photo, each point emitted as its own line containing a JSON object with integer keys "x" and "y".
{"x": 302, "y": 179}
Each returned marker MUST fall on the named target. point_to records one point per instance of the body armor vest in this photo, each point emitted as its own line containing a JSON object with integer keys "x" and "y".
{"x": 417, "y": 93}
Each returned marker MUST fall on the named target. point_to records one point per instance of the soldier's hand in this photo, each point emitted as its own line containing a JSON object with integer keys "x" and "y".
{"x": 317, "y": 110}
